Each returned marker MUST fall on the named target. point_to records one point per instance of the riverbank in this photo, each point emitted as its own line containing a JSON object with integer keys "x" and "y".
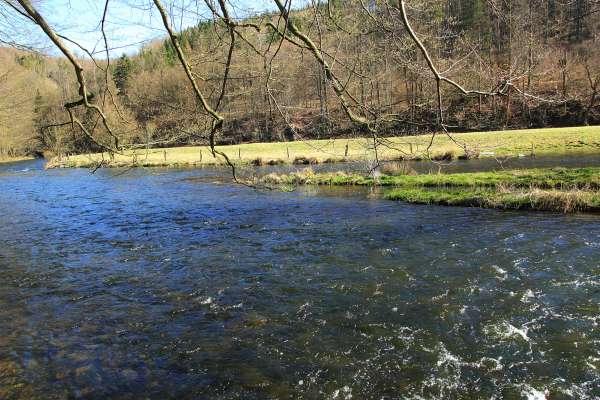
{"x": 5, "y": 160}
{"x": 519, "y": 143}
{"x": 548, "y": 189}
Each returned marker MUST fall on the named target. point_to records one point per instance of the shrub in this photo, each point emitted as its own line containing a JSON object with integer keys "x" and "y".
{"x": 301, "y": 160}
{"x": 258, "y": 162}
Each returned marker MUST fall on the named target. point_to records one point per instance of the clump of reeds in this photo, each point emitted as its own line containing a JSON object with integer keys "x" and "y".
{"x": 567, "y": 201}
{"x": 272, "y": 179}
{"x": 470, "y": 154}
{"x": 302, "y": 160}
{"x": 396, "y": 168}
{"x": 446, "y": 155}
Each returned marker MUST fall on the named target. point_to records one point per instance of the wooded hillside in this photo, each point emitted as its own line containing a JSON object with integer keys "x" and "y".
{"x": 539, "y": 61}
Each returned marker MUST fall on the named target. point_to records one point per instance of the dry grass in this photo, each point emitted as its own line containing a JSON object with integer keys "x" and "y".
{"x": 565, "y": 201}
{"x": 4, "y": 159}
{"x": 396, "y": 168}
{"x": 445, "y": 155}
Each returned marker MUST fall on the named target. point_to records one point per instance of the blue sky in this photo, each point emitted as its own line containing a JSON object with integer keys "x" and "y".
{"x": 130, "y": 23}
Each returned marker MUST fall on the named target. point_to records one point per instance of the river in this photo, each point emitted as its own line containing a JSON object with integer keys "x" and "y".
{"x": 162, "y": 283}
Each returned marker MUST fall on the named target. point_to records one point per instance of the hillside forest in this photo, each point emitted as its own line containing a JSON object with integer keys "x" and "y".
{"x": 470, "y": 65}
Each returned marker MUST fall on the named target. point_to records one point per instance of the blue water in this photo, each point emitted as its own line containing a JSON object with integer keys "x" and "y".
{"x": 149, "y": 284}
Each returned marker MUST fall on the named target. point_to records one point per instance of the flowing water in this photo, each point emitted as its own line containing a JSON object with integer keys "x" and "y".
{"x": 148, "y": 284}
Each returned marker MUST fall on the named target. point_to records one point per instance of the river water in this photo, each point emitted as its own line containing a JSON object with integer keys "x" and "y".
{"x": 149, "y": 284}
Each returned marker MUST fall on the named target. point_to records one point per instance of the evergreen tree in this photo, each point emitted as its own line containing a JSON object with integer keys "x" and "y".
{"x": 122, "y": 73}
{"x": 169, "y": 53}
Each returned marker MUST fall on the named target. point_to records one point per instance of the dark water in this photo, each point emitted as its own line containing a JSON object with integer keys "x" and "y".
{"x": 494, "y": 164}
{"x": 150, "y": 285}
{"x": 456, "y": 166}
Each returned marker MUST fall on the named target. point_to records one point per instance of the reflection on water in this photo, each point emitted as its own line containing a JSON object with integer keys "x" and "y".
{"x": 456, "y": 166}
{"x": 151, "y": 285}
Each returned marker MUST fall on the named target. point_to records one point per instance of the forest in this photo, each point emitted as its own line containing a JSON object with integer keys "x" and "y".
{"x": 498, "y": 64}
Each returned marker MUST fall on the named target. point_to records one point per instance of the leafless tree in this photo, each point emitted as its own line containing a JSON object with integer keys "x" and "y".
{"x": 374, "y": 67}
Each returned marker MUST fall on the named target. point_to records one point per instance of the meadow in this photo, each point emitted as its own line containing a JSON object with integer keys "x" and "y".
{"x": 515, "y": 143}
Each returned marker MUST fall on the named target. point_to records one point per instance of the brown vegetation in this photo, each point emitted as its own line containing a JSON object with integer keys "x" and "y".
{"x": 345, "y": 68}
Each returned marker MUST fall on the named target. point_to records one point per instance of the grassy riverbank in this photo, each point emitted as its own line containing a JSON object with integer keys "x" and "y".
{"x": 520, "y": 199}
{"x": 553, "y": 141}
{"x": 556, "y": 189}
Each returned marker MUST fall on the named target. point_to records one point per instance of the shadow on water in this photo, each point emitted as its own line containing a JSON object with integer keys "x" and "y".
{"x": 151, "y": 285}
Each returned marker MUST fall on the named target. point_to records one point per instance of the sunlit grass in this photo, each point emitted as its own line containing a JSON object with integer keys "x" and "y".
{"x": 552, "y": 141}
{"x": 567, "y": 201}
{"x": 551, "y": 189}
{"x": 545, "y": 178}
{"x": 4, "y": 159}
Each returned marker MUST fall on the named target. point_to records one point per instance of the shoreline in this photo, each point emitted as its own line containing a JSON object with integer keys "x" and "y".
{"x": 566, "y": 190}
{"x": 567, "y": 142}
{"x": 15, "y": 159}
{"x": 574, "y": 189}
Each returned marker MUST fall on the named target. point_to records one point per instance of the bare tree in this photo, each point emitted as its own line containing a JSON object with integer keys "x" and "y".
{"x": 374, "y": 69}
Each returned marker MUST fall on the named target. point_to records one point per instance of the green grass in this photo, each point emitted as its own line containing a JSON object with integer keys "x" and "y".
{"x": 543, "y": 178}
{"x": 552, "y": 141}
{"x": 566, "y": 201}
{"x": 551, "y": 189}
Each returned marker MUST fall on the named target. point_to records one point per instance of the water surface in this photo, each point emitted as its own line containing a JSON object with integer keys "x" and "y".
{"x": 148, "y": 284}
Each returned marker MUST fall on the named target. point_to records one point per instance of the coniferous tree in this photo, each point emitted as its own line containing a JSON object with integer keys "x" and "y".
{"x": 122, "y": 74}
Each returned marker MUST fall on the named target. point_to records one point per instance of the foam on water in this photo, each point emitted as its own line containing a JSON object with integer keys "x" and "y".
{"x": 160, "y": 287}
{"x": 531, "y": 393}
{"x": 506, "y": 331}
